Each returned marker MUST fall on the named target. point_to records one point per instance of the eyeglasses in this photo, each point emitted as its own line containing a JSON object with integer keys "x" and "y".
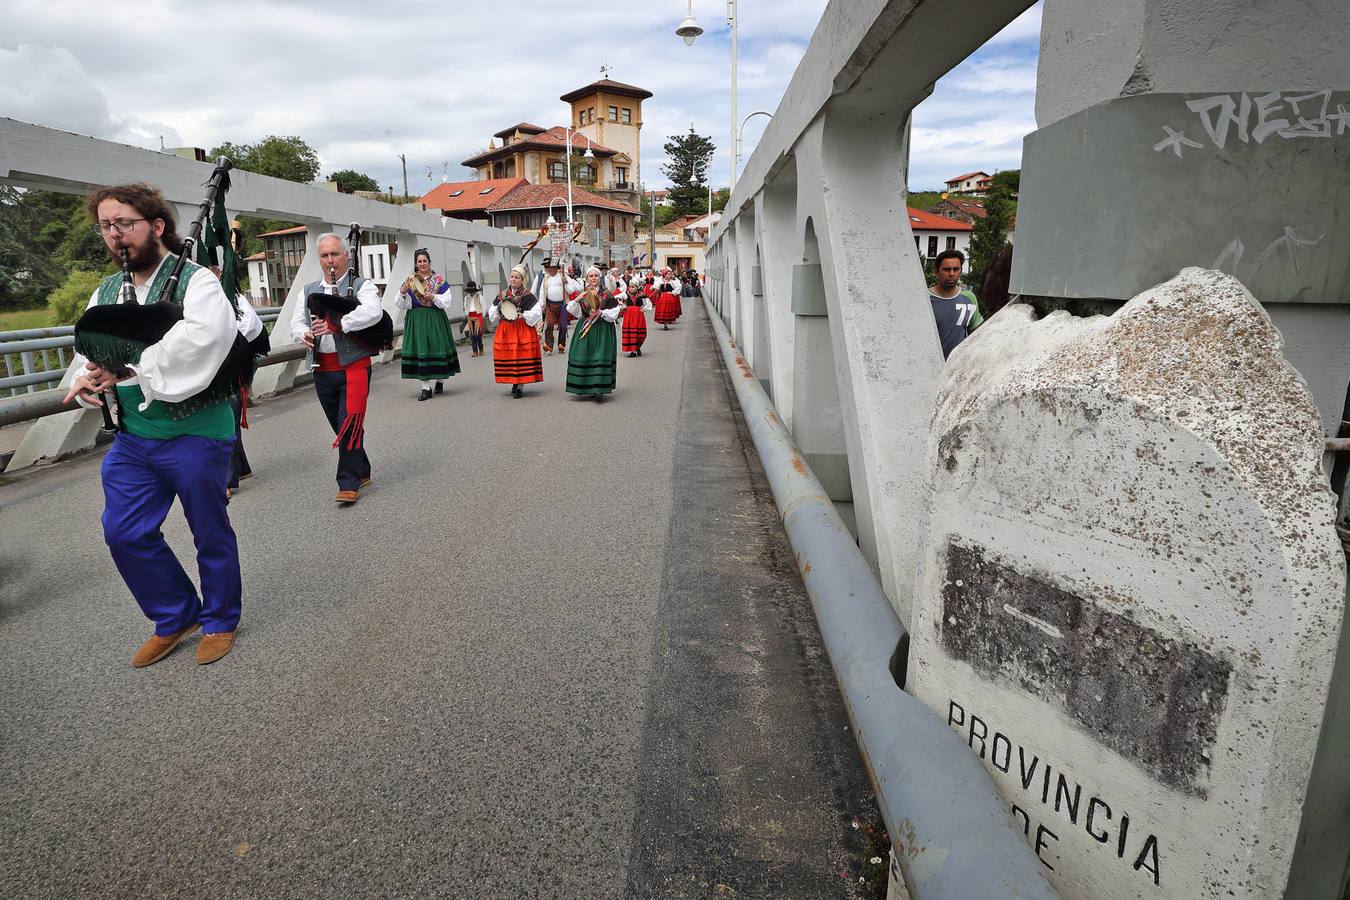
{"x": 121, "y": 226}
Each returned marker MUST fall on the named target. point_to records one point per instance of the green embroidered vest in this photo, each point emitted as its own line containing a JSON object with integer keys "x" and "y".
{"x": 198, "y": 415}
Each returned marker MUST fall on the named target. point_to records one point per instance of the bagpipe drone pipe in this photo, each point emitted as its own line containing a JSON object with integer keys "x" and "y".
{"x": 332, "y": 307}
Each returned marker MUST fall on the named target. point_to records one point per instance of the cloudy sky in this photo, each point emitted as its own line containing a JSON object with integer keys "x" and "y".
{"x": 434, "y": 81}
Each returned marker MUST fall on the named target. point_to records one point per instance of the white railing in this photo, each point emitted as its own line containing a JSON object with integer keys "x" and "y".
{"x": 814, "y": 267}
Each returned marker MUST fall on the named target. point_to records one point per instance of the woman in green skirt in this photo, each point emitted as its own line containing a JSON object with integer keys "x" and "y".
{"x": 428, "y": 346}
{"x": 593, "y": 353}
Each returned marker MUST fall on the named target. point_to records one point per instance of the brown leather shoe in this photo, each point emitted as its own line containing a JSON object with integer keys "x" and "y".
{"x": 213, "y": 646}
{"x": 347, "y": 498}
{"x": 159, "y": 646}
{"x": 365, "y": 483}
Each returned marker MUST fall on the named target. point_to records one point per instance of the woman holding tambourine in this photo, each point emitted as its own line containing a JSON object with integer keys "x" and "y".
{"x": 516, "y": 357}
{"x": 592, "y": 361}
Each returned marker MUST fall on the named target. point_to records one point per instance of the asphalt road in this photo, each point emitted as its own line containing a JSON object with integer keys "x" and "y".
{"x": 558, "y": 649}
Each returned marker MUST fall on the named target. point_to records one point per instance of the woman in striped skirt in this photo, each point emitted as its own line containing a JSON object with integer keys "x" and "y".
{"x": 428, "y": 346}
{"x": 635, "y": 320}
{"x": 516, "y": 356}
{"x": 592, "y": 361}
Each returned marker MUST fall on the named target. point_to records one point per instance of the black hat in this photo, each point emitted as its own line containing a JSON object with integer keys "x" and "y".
{"x": 471, "y": 285}
{"x": 551, "y": 263}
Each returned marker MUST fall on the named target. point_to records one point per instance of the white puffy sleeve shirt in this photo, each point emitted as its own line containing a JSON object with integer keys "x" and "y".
{"x": 185, "y": 360}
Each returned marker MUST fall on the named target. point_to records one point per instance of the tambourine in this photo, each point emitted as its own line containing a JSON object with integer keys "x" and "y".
{"x": 510, "y": 310}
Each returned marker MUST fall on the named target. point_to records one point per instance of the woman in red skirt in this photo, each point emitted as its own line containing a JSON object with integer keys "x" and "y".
{"x": 634, "y": 319}
{"x": 516, "y": 356}
{"x": 675, "y": 286}
{"x": 667, "y": 303}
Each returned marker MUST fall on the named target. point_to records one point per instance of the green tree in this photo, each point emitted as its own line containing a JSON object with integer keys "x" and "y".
{"x": 350, "y": 181}
{"x": 721, "y": 197}
{"x": 687, "y": 168}
{"x": 43, "y": 236}
{"x": 289, "y": 158}
{"x": 664, "y": 214}
{"x": 1009, "y": 181}
{"x": 989, "y": 234}
{"x": 68, "y": 301}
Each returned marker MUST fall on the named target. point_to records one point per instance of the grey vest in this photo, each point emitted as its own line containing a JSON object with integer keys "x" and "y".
{"x": 349, "y": 350}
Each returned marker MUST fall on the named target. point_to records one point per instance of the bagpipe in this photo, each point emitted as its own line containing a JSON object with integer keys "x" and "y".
{"x": 114, "y": 335}
{"x": 332, "y": 307}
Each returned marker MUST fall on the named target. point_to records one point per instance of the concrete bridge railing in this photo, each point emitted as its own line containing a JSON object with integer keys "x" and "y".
{"x": 32, "y": 156}
{"x": 1101, "y": 671}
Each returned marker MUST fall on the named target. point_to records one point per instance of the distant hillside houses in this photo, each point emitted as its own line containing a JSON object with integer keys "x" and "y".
{"x": 969, "y": 183}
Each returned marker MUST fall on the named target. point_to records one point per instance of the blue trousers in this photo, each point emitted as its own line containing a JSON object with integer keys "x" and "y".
{"x": 141, "y": 477}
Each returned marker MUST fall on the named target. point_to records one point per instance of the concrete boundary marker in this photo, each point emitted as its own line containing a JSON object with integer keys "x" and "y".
{"x": 953, "y": 835}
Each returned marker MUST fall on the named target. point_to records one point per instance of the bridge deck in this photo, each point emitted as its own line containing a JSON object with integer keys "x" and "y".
{"x": 558, "y": 649}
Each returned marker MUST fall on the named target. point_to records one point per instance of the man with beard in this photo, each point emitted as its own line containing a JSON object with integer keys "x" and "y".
{"x": 169, "y": 445}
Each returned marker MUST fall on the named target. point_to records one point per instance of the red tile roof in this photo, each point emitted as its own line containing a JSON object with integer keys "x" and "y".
{"x": 462, "y": 196}
{"x": 969, "y": 207}
{"x": 260, "y": 255}
{"x": 965, "y": 176}
{"x": 552, "y": 139}
{"x": 926, "y": 221}
{"x": 519, "y": 126}
{"x": 609, "y": 87}
{"x": 296, "y": 230}
{"x": 537, "y": 196}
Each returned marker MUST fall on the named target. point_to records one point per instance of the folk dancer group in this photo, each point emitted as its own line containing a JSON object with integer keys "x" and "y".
{"x": 178, "y": 438}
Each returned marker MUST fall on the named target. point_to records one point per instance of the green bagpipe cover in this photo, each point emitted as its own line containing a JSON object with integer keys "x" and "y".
{"x": 114, "y": 335}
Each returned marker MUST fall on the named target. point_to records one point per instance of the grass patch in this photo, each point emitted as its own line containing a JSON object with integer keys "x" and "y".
{"x": 25, "y": 318}
{"x": 924, "y": 200}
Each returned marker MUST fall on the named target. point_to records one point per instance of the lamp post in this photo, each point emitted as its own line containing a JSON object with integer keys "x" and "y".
{"x": 689, "y": 31}
{"x": 568, "y": 131}
{"x": 740, "y": 134}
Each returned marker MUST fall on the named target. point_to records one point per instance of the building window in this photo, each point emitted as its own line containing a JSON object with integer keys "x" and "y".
{"x": 627, "y": 117}
{"x": 917, "y": 247}
{"x": 951, "y": 243}
{"x": 614, "y": 114}
{"x": 581, "y": 117}
{"x": 621, "y": 174}
{"x": 590, "y": 114}
{"x": 586, "y": 173}
{"x": 611, "y": 226}
{"x": 556, "y": 172}
{"x": 932, "y": 246}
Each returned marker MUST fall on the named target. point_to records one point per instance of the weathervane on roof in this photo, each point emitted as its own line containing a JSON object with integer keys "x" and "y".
{"x": 605, "y": 69}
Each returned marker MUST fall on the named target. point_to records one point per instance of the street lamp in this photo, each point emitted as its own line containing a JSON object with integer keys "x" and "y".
{"x": 568, "y": 132}
{"x": 740, "y": 134}
{"x": 689, "y": 31}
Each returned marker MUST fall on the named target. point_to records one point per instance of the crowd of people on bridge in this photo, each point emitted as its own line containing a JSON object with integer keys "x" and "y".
{"x": 177, "y": 437}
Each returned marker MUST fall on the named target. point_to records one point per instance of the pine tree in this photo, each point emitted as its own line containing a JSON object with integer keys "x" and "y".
{"x": 988, "y": 235}
{"x": 689, "y": 156}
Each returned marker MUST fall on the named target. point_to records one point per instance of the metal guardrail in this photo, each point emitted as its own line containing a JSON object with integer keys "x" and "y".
{"x": 24, "y": 343}
{"x": 38, "y": 404}
{"x": 952, "y": 833}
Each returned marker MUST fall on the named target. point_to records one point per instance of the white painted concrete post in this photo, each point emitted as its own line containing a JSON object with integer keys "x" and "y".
{"x": 776, "y": 224}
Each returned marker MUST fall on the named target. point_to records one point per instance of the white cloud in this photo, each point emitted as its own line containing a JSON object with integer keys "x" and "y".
{"x": 47, "y": 85}
{"x": 433, "y": 82}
